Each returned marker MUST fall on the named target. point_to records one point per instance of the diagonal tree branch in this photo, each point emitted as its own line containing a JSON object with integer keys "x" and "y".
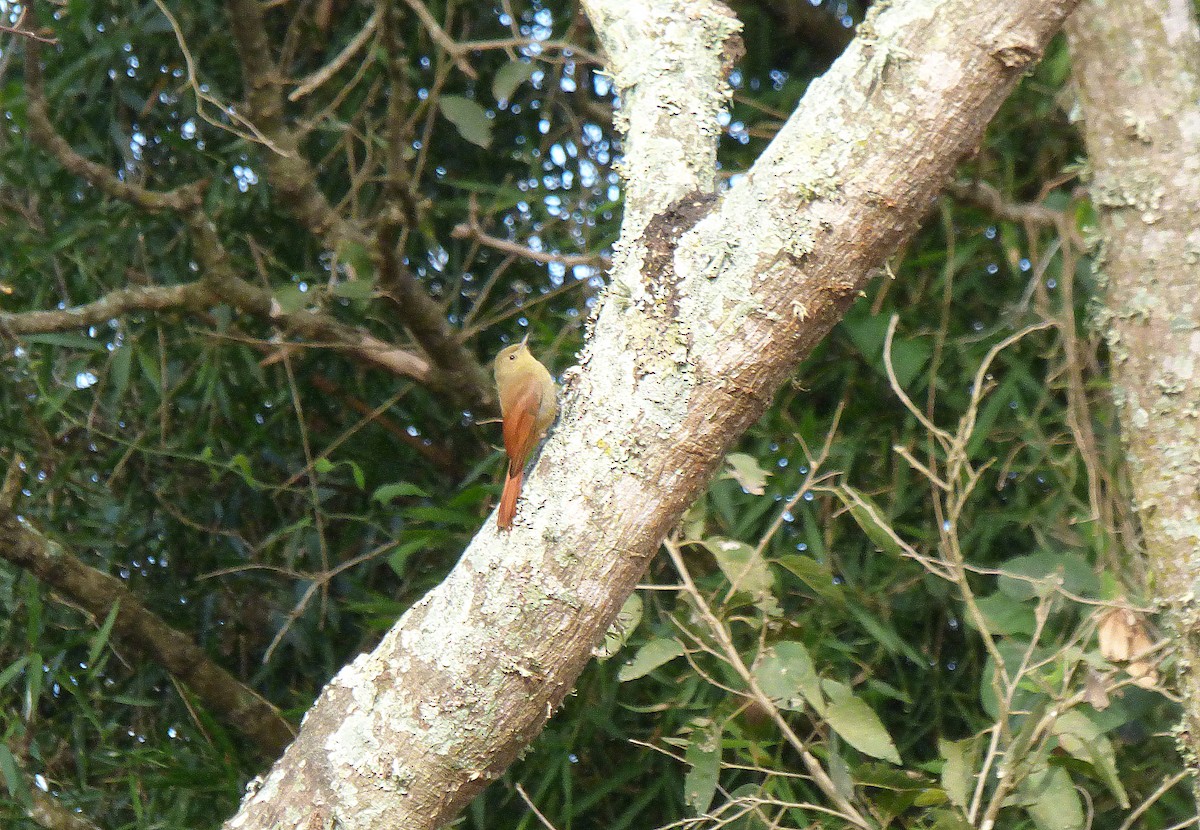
{"x": 714, "y": 301}
{"x": 43, "y": 133}
{"x": 143, "y": 631}
{"x": 221, "y": 282}
{"x": 221, "y": 278}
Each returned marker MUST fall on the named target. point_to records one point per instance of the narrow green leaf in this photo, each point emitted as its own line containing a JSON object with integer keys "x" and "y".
{"x": 119, "y": 371}
{"x": 241, "y": 464}
{"x": 387, "y": 492}
{"x": 359, "y": 289}
{"x": 360, "y": 478}
{"x": 871, "y": 519}
{"x": 649, "y": 657}
{"x": 885, "y": 635}
{"x": 13, "y": 779}
{"x": 66, "y": 339}
{"x": 100, "y": 638}
{"x": 815, "y": 575}
{"x": 398, "y": 559}
{"x": 13, "y": 670}
{"x": 468, "y": 117}
{"x": 857, "y": 723}
{"x": 704, "y": 755}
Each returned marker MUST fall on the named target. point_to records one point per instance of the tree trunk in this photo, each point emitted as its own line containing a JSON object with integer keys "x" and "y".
{"x": 714, "y": 300}
{"x": 1137, "y": 68}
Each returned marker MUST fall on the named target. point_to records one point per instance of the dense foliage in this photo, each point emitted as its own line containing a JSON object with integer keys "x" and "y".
{"x": 864, "y": 565}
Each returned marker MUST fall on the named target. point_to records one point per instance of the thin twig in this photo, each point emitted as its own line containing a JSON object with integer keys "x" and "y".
{"x": 821, "y": 778}
{"x": 443, "y": 40}
{"x": 533, "y": 808}
{"x": 316, "y": 79}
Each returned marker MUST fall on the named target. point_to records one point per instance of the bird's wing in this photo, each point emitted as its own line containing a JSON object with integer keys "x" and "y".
{"x": 520, "y": 426}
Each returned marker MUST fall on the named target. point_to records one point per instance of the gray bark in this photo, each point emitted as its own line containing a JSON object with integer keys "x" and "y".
{"x": 1136, "y": 65}
{"x": 713, "y": 301}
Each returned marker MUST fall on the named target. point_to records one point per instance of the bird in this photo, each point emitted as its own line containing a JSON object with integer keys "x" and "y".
{"x": 528, "y": 406}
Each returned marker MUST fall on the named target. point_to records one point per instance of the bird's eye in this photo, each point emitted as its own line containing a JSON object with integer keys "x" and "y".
{"x": 512, "y": 357}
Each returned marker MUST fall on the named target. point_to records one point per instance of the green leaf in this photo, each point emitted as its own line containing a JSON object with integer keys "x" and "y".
{"x": 359, "y": 289}
{"x": 13, "y": 670}
{"x": 355, "y": 257}
{"x": 323, "y": 466}
{"x": 623, "y": 626}
{"x": 509, "y": 77}
{"x": 786, "y": 674}
{"x": 742, "y": 566}
{"x": 1051, "y": 800}
{"x": 649, "y": 657}
{"x": 119, "y": 370}
{"x": 18, "y": 789}
{"x": 241, "y": 464}
{"x": 398, "y": 559}
{"x": 468, "y": 117}
{"x": 1083, "y": 739}
{"x": 814, "y": 574}
{"x": 745, "y": 470}
{"x": 1005, "y": 615}
{"x": 958, "y": 769}
{"x": 948, "y": 820}
{"x": 290, "y": 298}
{"x": 387, "y": 492}
{"x": 100, "y": 639}
{"x": 66, "y": 340}
{"x": 885, "y": 635}
{"x": 857, "y": 723}
{"x": 704, "y": 756}
{"x": 871, "y": 519}
{"x": 1020, "y": 575}
{"x": 868, "y": 333}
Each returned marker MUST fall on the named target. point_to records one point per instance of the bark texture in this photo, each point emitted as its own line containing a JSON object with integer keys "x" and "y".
{"x": 714, "y": 300}
{"x": 1137, "y": 68}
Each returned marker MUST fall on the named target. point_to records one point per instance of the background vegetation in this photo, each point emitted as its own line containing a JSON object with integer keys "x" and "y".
{"x": 914, "y": 589}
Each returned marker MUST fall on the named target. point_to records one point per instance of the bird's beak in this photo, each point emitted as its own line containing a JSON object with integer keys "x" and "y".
{"x": 525, "y": 339}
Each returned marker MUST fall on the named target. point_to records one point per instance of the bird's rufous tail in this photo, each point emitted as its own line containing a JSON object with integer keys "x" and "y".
{"x": 508, "y": 499}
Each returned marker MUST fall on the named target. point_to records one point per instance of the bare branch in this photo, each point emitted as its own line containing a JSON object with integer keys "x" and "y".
{"x": 142, "y": 630}
{"x": 442, "y": 39}
{"x": 223, "y": 281}
{"x": 43, "y": 133}
{"x": 192, "y": 296}
{"x": 983, "y": 195}
{"x": 458, "y": 373}
{"x": 472, "y": 230}
{"x": 49, "y": 813}
{"x": 316, "y": 79}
